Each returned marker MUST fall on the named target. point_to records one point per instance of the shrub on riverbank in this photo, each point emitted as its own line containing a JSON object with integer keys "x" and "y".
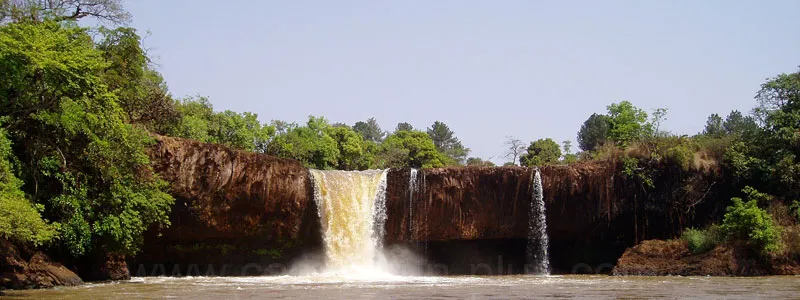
{"x": 701, "y": 240}
{"x": 747, "y": 222}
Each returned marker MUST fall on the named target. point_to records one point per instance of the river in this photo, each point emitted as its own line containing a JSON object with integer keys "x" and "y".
{"x": 446, "y": 287}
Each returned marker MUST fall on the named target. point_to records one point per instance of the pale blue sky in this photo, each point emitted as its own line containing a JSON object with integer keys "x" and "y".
{"x": 488, "y": 69}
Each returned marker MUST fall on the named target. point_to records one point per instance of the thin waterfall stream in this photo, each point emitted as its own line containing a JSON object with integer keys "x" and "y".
{"x": 412, "y": 188}
{"x": 538, "y": 241}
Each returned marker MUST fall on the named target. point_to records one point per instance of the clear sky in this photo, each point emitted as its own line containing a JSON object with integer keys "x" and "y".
{"x": 488, "y": 69}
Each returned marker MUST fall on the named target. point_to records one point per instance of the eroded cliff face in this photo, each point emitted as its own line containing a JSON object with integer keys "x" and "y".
{"x": 240, "y": 208}
{"x": 458, "y": 204}
{"x": 233, "y": 208}
{"x": 594, "y": 210}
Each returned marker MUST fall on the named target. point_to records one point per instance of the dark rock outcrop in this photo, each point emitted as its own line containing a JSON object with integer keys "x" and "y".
{"x": 102, "y": 266}
{"x": 24, "y": 268}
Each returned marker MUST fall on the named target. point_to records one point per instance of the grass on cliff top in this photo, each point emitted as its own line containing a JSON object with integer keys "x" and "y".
{"x": 695, "y": 153}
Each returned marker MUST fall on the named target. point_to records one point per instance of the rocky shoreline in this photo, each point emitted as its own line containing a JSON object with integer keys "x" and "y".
{"x": 24, "y": 268}
{"x": 672, "y": 257}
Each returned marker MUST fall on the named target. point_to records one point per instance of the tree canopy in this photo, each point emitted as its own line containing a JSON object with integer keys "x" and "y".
{"x": 403, "y": 126}
{"x": 541, "y": 152}
{"x": 410, "y": 148}
{"x": 370, "y": 130}
{"x": 627, "y": 123}
{"x": 447, "y": 143}
{"x": 593, "y": 132}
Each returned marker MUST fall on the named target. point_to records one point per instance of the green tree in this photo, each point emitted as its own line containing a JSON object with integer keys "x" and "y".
{"x": 310, "y": 144}
{"x": 541, "y": 152}
{"x": 628, "y": 123}
{"x": 243, "y": 131}
{"x": 593, "y": 132}
{"x": 737, "y": 124}
{"x": 746, "y": 221}
{"x": 355, "y": 153}
{"x": 82, "y": 161}
{"x": 778, "y": 145}
{"x": 714, "y": 126}
{"x": 447, "y": 143}
{"x": 413, "y": 149}
{"x": 240, "y": 130}
{"x": 403, "y": 126}
{"x": 370, "y": 130}
{"x": 141, "y": 91}
{"x": 195, "y": 121}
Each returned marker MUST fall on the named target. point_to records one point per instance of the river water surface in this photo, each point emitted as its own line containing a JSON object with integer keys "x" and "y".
{"x": 405, "y": 287}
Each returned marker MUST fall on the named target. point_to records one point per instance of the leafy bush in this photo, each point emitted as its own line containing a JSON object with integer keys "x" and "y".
{"x": 681, "y": 156}
{"x": 701, "y": 241}
{"x": 747, "y": 222}
{"x": 20, "y": 221}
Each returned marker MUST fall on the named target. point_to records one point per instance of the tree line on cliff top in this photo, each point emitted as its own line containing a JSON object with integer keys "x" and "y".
{"x": 79, "y": 106}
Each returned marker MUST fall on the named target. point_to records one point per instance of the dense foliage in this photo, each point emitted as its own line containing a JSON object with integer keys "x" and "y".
{"x": 593, "y": 132}
{"x": 541, "y": 152}
{"x": 748, "y": 222}
{"x": 79, "y": 156}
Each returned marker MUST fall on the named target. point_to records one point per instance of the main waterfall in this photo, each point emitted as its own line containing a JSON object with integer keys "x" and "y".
{"x": 352, "y": 211}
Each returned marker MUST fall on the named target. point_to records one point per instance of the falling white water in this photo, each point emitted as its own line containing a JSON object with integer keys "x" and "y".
{"x": 352, "y": 211}
{"x": 538, "y": 242}
{"x": 412, "y": 187}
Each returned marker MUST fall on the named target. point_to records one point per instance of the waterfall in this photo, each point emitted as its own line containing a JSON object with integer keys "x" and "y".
{"x": 538, "y": 242}
{"x": 412, "y": 187}
{"x": 352, "y": 211}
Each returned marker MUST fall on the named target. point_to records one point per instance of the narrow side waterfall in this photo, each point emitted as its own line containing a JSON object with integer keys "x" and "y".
{"x": 352, "y": 211}
{"x": 412, "y": 188}
{"x": 538, "y": 242}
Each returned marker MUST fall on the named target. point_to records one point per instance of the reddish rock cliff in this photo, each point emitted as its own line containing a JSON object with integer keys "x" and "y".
{"x": 239, "y": 207}
{"x": 232, "y": 207}
{"x": 594, "y": 211}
